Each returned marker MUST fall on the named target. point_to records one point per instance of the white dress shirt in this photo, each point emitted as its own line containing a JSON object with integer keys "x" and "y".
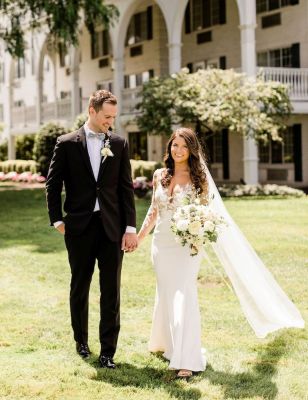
{"x": 94, "y": 145}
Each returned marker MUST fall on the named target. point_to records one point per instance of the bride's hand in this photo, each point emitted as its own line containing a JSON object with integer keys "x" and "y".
{"x": 61, "y": 228}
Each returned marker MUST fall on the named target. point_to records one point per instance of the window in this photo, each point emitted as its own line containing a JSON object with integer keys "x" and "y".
{"x": 100, "y": 44}
{"x": 140, "y": 27}
{"x": 275, "y": 152}
{"x": 276, "y": 58}
{"x": 64, "y": 58}
{"x": 201, "y": 14}
{"x": 138, "y": 145}
{"x": 271, "y": 20}
{"x": 213, "y": 144}
{"x": 269, "y": 5}
{"x": 32, "y": 56}
{"x": 106, "y": 85}
{"x": 134, "y": 80}
{"x": 20, "y": 68}
{"x": 2, "y": 76}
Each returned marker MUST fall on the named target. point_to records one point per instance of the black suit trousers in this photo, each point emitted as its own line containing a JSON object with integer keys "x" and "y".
{"x": 83, "y": 251}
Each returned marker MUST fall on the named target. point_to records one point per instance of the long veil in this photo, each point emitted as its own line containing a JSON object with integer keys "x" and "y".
{"x": 265, "y": 305}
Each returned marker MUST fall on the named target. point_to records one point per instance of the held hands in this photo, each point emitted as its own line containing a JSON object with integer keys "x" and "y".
{"x": 129, "y": 242}
{"x": 61, "y": 228}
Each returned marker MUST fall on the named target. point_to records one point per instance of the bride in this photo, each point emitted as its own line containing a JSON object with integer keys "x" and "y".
{"x": 176, "y": 327}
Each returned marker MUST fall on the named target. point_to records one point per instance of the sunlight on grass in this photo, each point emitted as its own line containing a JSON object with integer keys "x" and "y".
{"x": 37, "y": 356}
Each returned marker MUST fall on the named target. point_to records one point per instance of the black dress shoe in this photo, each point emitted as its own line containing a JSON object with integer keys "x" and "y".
{"x": 83, "y": 350}
{"x": 106, "y": 362}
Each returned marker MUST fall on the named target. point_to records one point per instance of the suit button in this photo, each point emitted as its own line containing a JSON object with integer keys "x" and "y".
{"x": 97, "y": 188}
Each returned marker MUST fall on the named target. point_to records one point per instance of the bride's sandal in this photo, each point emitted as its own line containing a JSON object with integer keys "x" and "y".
{"x": 184, "y": 374}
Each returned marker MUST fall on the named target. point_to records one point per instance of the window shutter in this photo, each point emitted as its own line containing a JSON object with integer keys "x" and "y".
{"x": 225, "y": 154}
{"x": 223, "y": 62}
{"x": 149, "y": 23}
{"x": 222, "y": 12}
{"x": 297, "y": 144}
{"x": 187, "y": 19}
{"x": 295, "y": 55}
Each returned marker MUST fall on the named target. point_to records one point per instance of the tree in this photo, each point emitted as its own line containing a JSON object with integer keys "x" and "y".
{"x": 60, "y": 17}
{"x": 212, "y": 100}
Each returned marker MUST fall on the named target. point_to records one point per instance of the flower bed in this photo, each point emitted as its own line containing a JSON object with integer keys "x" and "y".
{"x": 27, "y": 177}
{"x": 141, "y": 186}
{"x": 259, "y": 190}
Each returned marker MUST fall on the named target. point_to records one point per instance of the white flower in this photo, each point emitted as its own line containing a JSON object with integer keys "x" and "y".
{"x": 209, "y": 226}
{"x": 182, "y": 225}
{"x": 194, "y": 227}
{"x": 106, "y": 152}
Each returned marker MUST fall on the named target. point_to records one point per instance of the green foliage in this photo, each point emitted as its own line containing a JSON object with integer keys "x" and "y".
{"x": 60, "y": 17}
{"x": 144, "y": 168}
{"x": 24, "y": 147}
{"x": 44, "y": 145}
{"x": 212, "y": 100}
{"x": 3, "y": 150}
{"x": 18, "y": 166}
{"x": 79, "y": 121}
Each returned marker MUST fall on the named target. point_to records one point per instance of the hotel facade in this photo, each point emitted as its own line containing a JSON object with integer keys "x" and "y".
{"x": 155, "y": 38}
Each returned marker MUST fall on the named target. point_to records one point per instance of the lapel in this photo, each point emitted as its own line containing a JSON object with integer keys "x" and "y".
{"x": 82, "y": 145}
{"x": 103, "y": 164}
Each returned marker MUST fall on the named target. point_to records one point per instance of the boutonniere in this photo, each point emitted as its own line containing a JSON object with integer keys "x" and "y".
{"x": 105, "y": 151}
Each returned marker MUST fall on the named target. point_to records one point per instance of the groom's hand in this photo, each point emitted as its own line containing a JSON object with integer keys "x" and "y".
{"x": 61, "y": 228}
{"x": 129, "y": 242}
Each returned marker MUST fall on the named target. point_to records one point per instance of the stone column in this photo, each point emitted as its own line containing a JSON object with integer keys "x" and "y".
{"x": 39, "y": 99}
{"x": 248, "y": 58}
{"x": 8, "y": 123}
{"x": 118, "y": 84}
{"x": 75, "y": 92}
{"x": 174, "y": 57}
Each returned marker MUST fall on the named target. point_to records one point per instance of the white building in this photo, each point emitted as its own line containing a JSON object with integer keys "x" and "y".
{"x": 153, "y": 38}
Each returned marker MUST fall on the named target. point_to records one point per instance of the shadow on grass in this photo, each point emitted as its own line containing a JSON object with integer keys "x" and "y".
{"x": 148, "y": 378}
{"x": 257, "y": 382}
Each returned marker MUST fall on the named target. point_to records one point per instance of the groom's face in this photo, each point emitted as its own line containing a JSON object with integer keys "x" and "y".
{"x": 104, "y": 118}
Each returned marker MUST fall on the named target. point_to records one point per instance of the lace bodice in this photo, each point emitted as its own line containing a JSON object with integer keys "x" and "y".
{"x": 163, "y": 204}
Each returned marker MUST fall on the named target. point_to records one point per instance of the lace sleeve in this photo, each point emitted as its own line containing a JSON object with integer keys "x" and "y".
{"x": 151, "y": 216}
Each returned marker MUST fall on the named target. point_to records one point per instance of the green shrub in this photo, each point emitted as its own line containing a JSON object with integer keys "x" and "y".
{"x": 44, "y": 144}
{"x": 3, "y": 151}
{"x": 24, "y": 147}
{"x": 144, "y": 168}
{"x": 79, "y": 121}
{"x": 18, "y": 166}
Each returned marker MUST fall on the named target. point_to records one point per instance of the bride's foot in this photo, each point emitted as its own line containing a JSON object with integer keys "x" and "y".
{"x": 184, "y": 373}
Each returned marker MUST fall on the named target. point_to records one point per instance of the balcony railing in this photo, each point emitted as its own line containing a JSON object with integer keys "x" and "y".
{"x": 130, "y": 98}
{"x": 58, "y": 110}
{"x": 295, "y": 78}
{"x": 23, "y": 116}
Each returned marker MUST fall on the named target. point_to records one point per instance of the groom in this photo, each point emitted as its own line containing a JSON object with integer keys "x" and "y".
{"x": 100, "y": 221}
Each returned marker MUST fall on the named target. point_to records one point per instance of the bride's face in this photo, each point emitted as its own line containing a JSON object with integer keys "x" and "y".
{"x": 179, "y": 150}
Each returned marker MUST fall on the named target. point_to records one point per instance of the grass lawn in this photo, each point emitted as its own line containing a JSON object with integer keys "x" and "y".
{"x": 37, "y": 355}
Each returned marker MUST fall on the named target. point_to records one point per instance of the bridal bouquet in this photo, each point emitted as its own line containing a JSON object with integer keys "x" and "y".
{"x": 195, "y": 224}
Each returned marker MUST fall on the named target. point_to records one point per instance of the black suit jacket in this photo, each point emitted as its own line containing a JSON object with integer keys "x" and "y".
{"x": 71, "y": 165}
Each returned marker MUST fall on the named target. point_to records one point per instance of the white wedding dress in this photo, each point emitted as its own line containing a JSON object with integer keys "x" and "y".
{"x": 176, "y": 327}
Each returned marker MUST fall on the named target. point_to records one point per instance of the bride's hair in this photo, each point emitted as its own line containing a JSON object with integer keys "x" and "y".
{"x": 197, "y": 172}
